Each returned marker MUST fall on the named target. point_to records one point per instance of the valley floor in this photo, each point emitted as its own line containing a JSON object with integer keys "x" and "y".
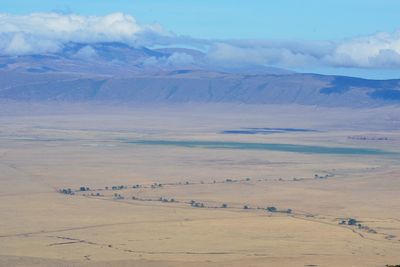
{"x": 75, "y": 191}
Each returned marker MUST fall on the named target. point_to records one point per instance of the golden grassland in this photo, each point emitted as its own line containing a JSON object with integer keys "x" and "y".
{"x": 41, "y": 154}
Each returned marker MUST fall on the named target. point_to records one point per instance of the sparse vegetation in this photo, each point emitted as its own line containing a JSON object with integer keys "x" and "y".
{"x": 117, "y": 187}
{"x": 66, "y": 191}
{"x": 197, "y": 205}
{"x": 83, "y": 188}
{"x": 352, "y": 221}
{"x": 272, "y": 209}
{"x": 118, "y": 196}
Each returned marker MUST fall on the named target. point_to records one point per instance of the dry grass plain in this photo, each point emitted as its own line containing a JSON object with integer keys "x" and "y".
{"x": 85, "y": 146}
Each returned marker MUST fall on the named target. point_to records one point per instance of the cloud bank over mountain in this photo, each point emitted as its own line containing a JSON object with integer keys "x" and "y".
{"x": 44, "y": 33}
{"x": 48, "y": 32}
{"x": 381, "y": 50}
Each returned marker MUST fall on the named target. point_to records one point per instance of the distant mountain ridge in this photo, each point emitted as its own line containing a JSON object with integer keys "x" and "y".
{"x": 114, "y": 72}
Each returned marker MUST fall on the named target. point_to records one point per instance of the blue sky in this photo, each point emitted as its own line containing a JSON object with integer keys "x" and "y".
{"x": 287, "y": 20}
{"x": 261, "y": 19}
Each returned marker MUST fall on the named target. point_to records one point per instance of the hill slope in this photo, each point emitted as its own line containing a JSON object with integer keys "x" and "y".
{"x": 119, "y": 73}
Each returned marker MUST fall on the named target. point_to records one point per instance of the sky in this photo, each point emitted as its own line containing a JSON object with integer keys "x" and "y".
{"x": 349, "y": 37}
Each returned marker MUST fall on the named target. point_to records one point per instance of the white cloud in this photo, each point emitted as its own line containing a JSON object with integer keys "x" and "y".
{"x": 177, "y": 59}
{"x": 381, "y": 50}
{"x": 86, "y": 52}
{"x": 48, "y": 32}
{"x": 261, "y": 54}
{"x": 17, "y": 45}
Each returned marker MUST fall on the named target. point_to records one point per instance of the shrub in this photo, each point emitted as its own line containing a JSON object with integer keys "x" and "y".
{"x": 352, "y": 221}
{"x": 272, "y": 209}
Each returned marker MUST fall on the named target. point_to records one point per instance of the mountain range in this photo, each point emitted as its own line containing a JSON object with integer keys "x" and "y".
{"x": 118, "y": 73}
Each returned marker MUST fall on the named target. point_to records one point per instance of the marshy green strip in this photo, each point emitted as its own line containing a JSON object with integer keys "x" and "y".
{"x": 265, "y": 146}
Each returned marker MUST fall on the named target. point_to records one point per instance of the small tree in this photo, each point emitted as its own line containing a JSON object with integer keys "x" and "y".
{"x": 352, "y": 221}
{"x": 272, "y": 209}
